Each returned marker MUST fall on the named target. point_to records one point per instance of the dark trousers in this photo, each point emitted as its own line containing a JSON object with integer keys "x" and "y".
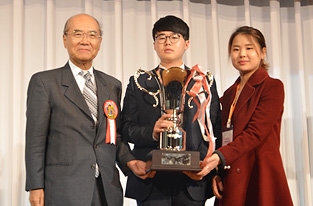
{"x": 98, "y": 198}
{"x": 170, "y": 192}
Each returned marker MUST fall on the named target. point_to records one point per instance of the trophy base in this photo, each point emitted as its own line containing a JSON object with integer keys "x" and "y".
{"x": 165, "y": 160}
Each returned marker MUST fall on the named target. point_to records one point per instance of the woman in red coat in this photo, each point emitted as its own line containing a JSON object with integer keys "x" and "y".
{"x": 250, "y": 164}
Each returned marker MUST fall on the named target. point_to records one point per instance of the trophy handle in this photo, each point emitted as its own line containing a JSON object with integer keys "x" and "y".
{"x": 153, "y": 94}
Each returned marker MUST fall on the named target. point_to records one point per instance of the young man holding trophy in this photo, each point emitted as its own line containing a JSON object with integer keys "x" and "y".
{"x": 172, "y": 113}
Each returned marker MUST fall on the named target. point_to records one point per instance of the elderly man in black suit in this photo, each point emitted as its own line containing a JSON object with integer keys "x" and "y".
{"x": 73, "y": 113}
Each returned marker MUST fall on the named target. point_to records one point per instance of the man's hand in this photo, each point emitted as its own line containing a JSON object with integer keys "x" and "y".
{"x": 139, "y": 168}
{"x": 207, "y": 165}
{"x": 161, "y": 125}
{"x": 217, "y": 186}
{"x": 36, "y": 197}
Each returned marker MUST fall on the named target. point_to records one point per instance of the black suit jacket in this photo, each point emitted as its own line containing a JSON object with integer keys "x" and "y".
{"x": 63, "y": 144}
{"x": 138, "y": 120}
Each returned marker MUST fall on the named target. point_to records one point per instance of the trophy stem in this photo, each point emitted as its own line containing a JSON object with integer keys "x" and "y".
{"x": 173, "y": 138}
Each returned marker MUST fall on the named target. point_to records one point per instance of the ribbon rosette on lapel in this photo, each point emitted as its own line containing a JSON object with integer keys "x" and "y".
{"x": 111, "y": 111}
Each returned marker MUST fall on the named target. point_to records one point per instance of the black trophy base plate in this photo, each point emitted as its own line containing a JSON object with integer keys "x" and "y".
{"x": 165, "y": 160}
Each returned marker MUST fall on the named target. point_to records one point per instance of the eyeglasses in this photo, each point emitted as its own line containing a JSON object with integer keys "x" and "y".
{"x": 78, "y": 34}
{"x": 161, "y": 39}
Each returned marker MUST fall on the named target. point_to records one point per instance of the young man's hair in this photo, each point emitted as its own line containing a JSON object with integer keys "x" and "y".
{"x": 171, "y": 23}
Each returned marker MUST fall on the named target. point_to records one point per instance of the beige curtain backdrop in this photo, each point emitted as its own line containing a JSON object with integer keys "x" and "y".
{"x": 31, "y": 41}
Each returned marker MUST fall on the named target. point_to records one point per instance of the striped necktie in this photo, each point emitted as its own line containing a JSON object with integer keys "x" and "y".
{"x": 90, "y": 95}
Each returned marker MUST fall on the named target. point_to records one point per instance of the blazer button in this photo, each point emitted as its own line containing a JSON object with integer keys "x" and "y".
{"x": 227, "y": 167}
{"x": 95, "y": 146}
{"x": 92, "y": 126}
{"x": 238, "y": 170}
{"x": 93, "y": 166}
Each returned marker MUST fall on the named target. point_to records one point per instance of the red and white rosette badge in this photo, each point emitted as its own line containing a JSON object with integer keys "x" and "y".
{"x": 111, "y": 111}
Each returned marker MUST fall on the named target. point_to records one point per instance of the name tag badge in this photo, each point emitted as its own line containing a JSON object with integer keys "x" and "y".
{"x": 227, "y": 135}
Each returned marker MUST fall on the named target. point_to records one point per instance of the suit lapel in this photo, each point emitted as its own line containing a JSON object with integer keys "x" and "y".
{"x": 150, "y": 85}
{"x": 257, "y": 78}
{"x": 73, "y": 92}
{"x": 244, "y": 97}
{"x": 103, "y": 95}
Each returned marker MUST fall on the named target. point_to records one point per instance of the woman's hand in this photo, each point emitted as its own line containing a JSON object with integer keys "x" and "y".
{"x": 207, "y": 165}
{"x": 217, "y": 186}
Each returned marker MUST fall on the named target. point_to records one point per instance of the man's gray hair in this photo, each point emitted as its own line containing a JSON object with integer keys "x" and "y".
{"x": 66, "y": 23}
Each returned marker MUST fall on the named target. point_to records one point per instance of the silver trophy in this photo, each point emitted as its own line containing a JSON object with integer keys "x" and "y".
{"x": 172, "y": 95}
{"x": 172, "y": 92}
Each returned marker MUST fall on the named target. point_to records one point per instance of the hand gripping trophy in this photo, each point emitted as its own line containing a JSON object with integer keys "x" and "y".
{"x": 173, "y": 82}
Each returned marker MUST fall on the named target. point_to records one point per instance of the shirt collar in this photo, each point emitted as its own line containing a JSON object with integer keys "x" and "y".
{"x": 75, "y": 69}
{"x": 181, "y": 66}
